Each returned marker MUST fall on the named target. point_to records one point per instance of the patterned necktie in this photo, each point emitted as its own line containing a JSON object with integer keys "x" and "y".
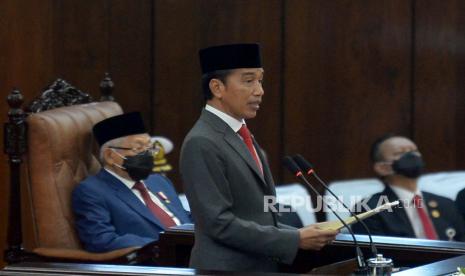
{"x": 156, "y": 210}
{"x": 428, "y": 227}
{"x": 245, "y": 134}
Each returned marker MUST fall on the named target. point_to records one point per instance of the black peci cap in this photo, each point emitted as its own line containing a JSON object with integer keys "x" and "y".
{"x": 231, "y": 56}
{"x": 118, "y": 126}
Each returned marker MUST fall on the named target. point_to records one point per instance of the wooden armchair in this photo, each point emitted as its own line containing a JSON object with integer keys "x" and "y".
{"x": 51, "y": 149}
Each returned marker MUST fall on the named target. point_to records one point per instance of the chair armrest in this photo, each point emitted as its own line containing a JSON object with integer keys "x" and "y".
{"x": 148, "y": 254}
{"x": 82, "y": 255}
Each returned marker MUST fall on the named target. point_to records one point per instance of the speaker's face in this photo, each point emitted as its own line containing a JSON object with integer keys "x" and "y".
{"x": 241, "y": 94}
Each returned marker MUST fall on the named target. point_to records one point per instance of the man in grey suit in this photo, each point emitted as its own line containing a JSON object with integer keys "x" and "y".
{"x": 227, "y": 178}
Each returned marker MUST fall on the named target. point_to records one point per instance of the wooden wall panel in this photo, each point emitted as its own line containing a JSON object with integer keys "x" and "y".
{"x": 25, "y": 61}
{"x": 81, "y": 42}
{"x": 181, "y": 29}
{"x": 74, "y": 40}
{"x": 439, "y": 110}
{"x": 130, "y": 51}
{"x": 346, "y": 80}
{"x": 176, "y": 100}
{"x": 94, "y": 37}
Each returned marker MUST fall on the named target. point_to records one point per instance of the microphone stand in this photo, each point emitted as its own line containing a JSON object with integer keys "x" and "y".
{"x": 306, "y": 166}
{"x": 292, "y": 166}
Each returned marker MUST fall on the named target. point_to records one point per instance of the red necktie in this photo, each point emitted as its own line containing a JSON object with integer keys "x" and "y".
{"x": 156, "y": 210}
{"x": 428, "y": 227}
{"x": 245, "y": 134}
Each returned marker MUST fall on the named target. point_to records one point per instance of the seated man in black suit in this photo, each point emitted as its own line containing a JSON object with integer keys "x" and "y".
{"x": 398, "y": 163}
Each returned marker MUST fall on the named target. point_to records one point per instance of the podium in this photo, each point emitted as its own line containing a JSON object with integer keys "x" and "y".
{"x": 181, "y": 241}
{"x": 419, "y": 257}
{"x": 176, "y": 243}
{"x": 444, "y": 267}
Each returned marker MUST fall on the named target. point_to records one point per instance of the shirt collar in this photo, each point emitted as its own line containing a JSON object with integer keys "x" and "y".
{"x": 229, "y": 120}
{"x": 128, "y": 183}
{"x": 405, "y": 195}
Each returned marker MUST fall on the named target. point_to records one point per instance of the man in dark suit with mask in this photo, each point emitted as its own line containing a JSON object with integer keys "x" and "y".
{"x": 124, "y": 204}
{"x": 398, "y": 163}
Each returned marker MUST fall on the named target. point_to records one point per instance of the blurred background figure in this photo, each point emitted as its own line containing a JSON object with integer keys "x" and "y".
{"x": 398, "y": 163}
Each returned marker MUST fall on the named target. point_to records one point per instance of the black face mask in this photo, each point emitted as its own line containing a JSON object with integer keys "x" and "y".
{"x": 138, "y": 166}
{"x": 410, "y": 165}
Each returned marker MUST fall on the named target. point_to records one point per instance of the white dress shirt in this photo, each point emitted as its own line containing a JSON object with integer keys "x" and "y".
{"x": 232, "y": 122}
{"x": 229, "y": 120}
{"x": 406, "y": 197}
{"x": 130, "y": 183}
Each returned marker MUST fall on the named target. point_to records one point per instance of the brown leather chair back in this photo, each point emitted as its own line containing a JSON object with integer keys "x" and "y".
{"x": 61, "y": 153}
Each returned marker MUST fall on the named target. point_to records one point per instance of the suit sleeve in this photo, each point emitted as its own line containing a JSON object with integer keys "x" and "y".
{"x": 460, "y": 225}
{"x": 286, "y": 226}
{"x": 457, "y": 212}
{"x": 460, "y": 203}
{"x": 93, "y": 223}
{"x": 207, "y": 187}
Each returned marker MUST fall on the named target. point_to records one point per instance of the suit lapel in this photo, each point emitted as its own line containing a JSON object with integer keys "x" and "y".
{"x": 400, "y": 211}
{"x": 267, "y": 175}
{"x": 239, "y": 146}
{"x": 128, "y": 197}
{"x": 437, "y": 221}
{"x": 233, "y": 140}
{"x": 266, "y": 169}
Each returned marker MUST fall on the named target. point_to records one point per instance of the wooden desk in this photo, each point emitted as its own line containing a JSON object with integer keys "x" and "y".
{"x": 404, "y": 252}
{"x": 426, "y": 257}
{"x": 175, "y": 246}
{"x": 438, "y": 268}
{"x": 42, "y": 269}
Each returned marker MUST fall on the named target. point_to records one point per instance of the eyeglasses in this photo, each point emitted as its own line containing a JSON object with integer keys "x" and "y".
{"x": 153, "y": 149}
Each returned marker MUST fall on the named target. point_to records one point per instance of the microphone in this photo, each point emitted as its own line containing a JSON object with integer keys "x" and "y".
{"x": 292, "y": 166}
{"x": 308, "y": 168}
